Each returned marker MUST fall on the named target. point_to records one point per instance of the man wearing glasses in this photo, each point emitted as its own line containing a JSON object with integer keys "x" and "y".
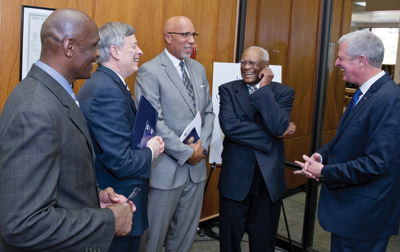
{"x": 177, "y": 87}
{"x": 254, "y": 116}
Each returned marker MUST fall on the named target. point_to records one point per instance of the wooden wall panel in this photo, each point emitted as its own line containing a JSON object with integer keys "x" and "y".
{"x": 147, "y": 17}
{"x": 273, "y": 31}
{"x": 10, "y": 34}
{"x": 226, "y": 31}
{"x": 302, "y": 63}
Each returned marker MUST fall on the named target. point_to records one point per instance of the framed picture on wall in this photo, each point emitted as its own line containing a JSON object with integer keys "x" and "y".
{"x": 32, "y": 18}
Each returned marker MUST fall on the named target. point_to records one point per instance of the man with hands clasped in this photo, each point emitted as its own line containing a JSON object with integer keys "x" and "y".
{"x": 49, "y": 199}
{"x": 360, "y": 167}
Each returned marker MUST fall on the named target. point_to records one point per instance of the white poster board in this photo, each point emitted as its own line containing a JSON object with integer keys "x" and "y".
{"x": 223, "y": 73}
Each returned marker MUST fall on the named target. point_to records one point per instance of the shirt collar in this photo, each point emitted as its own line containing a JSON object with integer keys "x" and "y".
{"x": 364, "y": 87}
{"x": 175, "y": 60}
{"x": 58, "y": 77}
{"x": 122, "y": 79}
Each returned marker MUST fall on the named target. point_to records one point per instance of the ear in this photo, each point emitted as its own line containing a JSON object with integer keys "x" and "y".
{"x": 362, "y": 60}
{"x": 114, "y": 52}
{"x": 68, "y": 45}
{"x": 167, "y": 38}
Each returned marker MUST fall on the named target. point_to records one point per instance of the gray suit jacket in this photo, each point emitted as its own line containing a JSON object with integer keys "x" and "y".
{"x": 159, "y": 81}
{"x": 48, "y": 192}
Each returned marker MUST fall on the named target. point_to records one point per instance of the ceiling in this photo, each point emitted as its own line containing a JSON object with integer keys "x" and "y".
{"x": 365, "y": 14}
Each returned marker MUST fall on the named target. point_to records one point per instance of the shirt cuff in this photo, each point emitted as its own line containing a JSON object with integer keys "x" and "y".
{"x": 151, "y": 152}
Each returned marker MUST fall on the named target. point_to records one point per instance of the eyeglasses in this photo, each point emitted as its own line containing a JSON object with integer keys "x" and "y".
{"x": 251, "y": 63}
{"x": 185, "y": 34}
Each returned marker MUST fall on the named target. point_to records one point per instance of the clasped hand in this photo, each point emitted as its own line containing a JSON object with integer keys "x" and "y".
{"x": 198, "y": 152}
{"x": 311, "y": 168}
{"x": 123, "y": 211}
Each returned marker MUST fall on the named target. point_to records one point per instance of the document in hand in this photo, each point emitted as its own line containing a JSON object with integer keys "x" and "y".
{"x": 192, "y": 130}
{"x": 145, "y": 124}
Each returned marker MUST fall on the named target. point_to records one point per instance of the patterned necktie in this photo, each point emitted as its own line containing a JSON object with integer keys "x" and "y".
{"x": 188, "y": 84}
{"x": 252, "y": 89}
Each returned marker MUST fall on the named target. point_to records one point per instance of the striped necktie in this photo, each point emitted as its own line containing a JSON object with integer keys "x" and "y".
{"x": 252, "y": 89}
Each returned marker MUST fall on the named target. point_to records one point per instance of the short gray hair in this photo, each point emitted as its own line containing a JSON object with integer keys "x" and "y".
{"x": 366, "y": 43}
{"x": 112, "y": 33}
{"x": 266, "y": 54}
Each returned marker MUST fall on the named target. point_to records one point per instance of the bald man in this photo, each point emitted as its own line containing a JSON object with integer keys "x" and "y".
{"x": 177, "y": 87}
{"x": 49, "y": 199}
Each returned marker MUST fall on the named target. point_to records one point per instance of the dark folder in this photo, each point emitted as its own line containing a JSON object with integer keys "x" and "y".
{"x": 193, "y": 133}
{"x": 145, "y": 124}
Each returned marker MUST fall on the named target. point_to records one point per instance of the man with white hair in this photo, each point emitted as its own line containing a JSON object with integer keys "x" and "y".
{"x": 254, "y": 115}
{"x": 360, "y": 167}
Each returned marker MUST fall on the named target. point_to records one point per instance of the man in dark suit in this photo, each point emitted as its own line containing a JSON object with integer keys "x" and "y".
{"x": 110, "y": 113}
{"x": 49, "y": 200}
{"x": 252, "y": 179}
{"x": 360, "y": 167}
{"x": 177, "y": 87}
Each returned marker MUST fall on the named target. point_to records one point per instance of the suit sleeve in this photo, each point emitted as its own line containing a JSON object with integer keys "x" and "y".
{"x": 109, "y": 118}
{"x": 274, "y": 113}
{"x": 147, "y": 84}
{"x": 32, "y": 214}
{"x": 378, "y": 156}
{"x": 208, "y": 121}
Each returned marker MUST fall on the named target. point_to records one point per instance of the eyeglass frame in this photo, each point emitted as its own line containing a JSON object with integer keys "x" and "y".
{"x": 185, "y": 34}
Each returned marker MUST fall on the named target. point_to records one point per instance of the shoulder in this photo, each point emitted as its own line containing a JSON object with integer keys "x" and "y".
{"x": 98, "y": 81}
{"x": 155, "y": 62}
{"x": 280, "y": 89}
{"x": 195, "y": 66}
{"x": 232, "y": 85}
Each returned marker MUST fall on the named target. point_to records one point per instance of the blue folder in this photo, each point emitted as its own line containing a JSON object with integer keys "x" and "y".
{"x": 145, "y": 124}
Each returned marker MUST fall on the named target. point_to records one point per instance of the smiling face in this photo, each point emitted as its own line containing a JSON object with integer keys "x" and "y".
{"x": 88, "y": 52}
{"x": 348, "y": 65}
{"x": 129, "y": 55}
{"x": 178, "y": 45}
{"x": 251, "y": 64}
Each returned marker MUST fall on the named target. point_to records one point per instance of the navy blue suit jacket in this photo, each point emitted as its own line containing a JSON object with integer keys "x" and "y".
{"x": 110, "y": 114}
{"x": 361, "y": 196}
{"x": 251, "y": 124}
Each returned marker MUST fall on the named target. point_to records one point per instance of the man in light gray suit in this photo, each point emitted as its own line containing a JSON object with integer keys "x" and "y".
{"x": 49, "y": 200}
{"x": 177, "y": 87}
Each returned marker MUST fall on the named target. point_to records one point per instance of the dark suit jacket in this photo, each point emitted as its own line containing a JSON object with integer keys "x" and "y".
{"x": 251, "y": 124}
{"x": 361, "y": 196}
{"x": 110, "y": 114}
{"x": 48, "y": 192}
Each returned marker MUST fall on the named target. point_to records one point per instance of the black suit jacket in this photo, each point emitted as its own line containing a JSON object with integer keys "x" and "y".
{"x": 251, "y": 124}
{"x": 48, "y": 192}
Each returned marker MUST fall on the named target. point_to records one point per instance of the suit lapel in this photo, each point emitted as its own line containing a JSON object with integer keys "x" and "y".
{"x": 75, "y": 114}
{"x": 242, "y": 95}
{"x": 121, "y": 85}
{"x": 177, "y": 80}
{"x": 350, "y": 115}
